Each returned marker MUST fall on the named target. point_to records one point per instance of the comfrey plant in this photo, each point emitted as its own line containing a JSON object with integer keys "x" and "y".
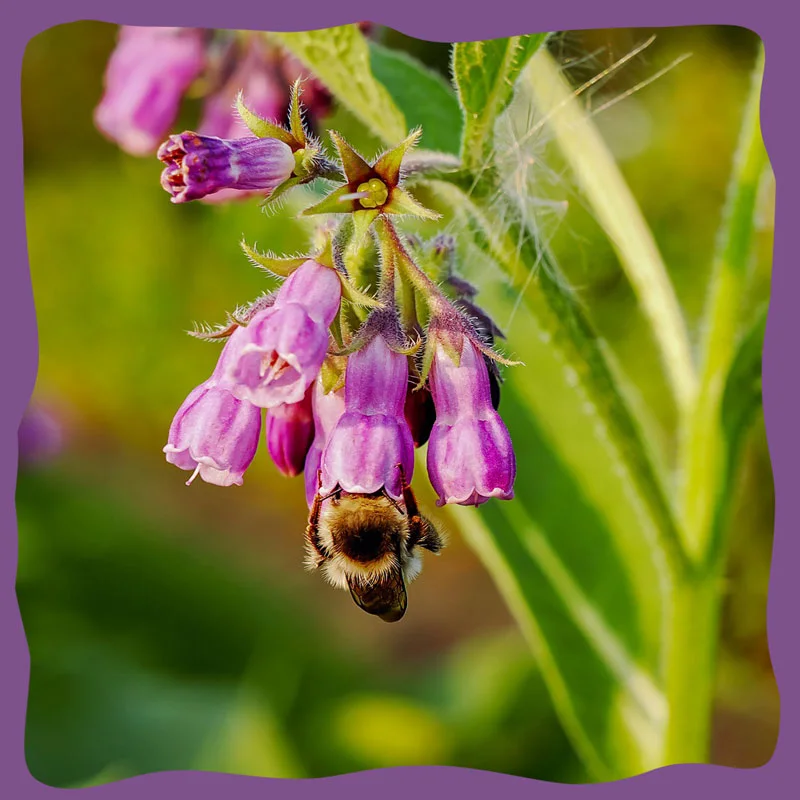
{"x": 375, "y": 357}
{"x": 352, "y": 382}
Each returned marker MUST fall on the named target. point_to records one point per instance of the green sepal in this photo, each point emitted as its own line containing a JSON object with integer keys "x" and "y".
{"x": 336, "y": 330}
{"x": 389, "y": 164}
{"x": 274, "y": 265}
{"x": 305, "y": 162}
{"x": 362, "y": 220}
{"x": 449, "y": 343}
{"x": 296, "y": 114}
{"x": 357, "y": 297}
{"x": 210, "y": 333}
{"x": 410, "y": 350}
{"x": 332, "y": 374}
{"x": 261, "y": 127}
{"x": 402, "y": 203}
{"x": 427, "y": 361}
{"x": 495, "y": 356}
{"x": 356, "y": 169}
{"x": 281, "y": 189}
{"x": 331, "y": 204}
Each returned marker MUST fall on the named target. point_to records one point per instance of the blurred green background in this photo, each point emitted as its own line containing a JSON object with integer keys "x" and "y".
{"x": 175, "y": 628}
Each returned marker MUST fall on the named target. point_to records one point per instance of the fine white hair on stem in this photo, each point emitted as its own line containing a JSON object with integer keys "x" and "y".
{"x": 534, "y": 195}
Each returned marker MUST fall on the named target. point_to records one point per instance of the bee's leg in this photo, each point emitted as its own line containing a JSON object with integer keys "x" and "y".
{"x": 416, "y": 522}
{"x": 421, "y": 531}
{"x": 316, "y": 552}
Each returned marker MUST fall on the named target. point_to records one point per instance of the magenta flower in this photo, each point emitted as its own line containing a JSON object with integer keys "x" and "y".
{"x": 470, "y": 455}
{"x": 147, "y": 75}
{"x": 327, "y": 408}
{"x": 197, "y": 166}
{"x": 290, "y": 430}
{"x": 282, "y": 348}
{"x": 372, "y": 438}
{"x": 215, "y": 433}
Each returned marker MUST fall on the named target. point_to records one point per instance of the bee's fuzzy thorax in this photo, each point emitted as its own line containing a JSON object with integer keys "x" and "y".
{"x": 362, "y": 539}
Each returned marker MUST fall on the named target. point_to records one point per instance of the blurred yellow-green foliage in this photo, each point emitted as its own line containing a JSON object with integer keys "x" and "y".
{"x": 175, "y": 628}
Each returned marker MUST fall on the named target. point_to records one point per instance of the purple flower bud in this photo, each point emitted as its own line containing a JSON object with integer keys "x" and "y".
{"x": 470, "y": 455}
{"x": 420, "y": 414}
{"x": 327, "y": 408}
{"x": 197, "y": 166}
{"x": 281, "y": 350}
{"x": 146, "y": 78}
{"x": 263, "y": 94}
{"x": 372, "y": 438}
{"x": 290, "y": 429}
{"x": 215, "y": 433}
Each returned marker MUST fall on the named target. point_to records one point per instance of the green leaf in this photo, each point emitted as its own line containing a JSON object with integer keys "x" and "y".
{"x": 612, "y": 201}
{"x": 741, "y": 403}
{"x": 702, "y": 446}
{"x": 262, "y": 127}
{"x": 340, "y": 58}
{"x": 565, "y": 326}
{"x": 583, "y": 554}
{"x": 424, "y": 97}
{"x": 610, "y": 706}
{"x": 485, "y": 75}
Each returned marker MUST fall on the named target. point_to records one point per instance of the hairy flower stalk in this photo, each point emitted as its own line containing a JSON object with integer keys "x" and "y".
{"x": 214, "y": 433}
{"x": 198, "y": 166}
{"x": 283, "y": 347}
{"x": 146, "y": 78}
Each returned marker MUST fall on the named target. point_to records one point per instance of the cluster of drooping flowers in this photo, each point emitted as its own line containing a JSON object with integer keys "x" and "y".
{"x": 352, "y": 381}
{"x": 152, "y": 70}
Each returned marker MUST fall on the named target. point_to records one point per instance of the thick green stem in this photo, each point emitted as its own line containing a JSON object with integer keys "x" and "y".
{"x": 690, "y": 668}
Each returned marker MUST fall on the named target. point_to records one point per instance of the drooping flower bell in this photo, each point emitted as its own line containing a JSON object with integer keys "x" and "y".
{"x": 470, "y": 454}
{"x": 290, "y": 431}
{"x": 281, "y": 349}
{"x": 372, "y": 439}
{"x": 146, "y": 78}
{"x": 197, "y": 166}
{"x": 214, "y": 433}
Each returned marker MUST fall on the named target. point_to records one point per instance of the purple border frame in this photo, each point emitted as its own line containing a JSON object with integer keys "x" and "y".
{"x": 772, "y": 21}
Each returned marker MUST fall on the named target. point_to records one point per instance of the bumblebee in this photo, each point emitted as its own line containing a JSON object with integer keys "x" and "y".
{"x": 371, "y": 545}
